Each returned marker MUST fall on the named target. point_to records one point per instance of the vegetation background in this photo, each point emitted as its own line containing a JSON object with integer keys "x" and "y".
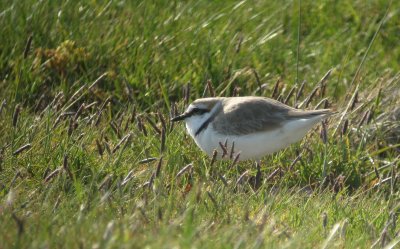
{"x": 89, "y": 159}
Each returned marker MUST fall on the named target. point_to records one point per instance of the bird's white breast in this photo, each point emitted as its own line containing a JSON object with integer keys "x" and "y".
{"x": 250, "y": 146}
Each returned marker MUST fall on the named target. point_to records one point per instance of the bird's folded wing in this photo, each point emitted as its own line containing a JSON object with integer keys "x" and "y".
{"x": 246, "y": 117}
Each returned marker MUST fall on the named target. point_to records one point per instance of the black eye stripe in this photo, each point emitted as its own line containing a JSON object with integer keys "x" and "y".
{"x": 198, "y": 111}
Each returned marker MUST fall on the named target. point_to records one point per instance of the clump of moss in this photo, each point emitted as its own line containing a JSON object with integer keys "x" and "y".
{"x": 66, "y": 59}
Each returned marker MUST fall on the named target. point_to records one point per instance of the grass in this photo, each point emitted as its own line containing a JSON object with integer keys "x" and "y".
{"x": 89, "y": 158}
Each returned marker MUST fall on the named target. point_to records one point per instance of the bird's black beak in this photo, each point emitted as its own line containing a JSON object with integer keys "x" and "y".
{"x": 180, "y": 117}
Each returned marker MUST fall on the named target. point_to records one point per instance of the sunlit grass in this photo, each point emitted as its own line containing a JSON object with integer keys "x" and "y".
{"x": 89, "y": 158}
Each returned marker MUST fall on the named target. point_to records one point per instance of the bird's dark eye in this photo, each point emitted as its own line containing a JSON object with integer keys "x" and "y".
{"x": 198, "y": 111}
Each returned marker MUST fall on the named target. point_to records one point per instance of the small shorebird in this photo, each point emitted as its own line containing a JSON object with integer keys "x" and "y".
{"x": 253, "y": 126}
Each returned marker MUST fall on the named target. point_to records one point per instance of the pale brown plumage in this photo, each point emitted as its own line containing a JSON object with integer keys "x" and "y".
{"x": 246, "y": 115}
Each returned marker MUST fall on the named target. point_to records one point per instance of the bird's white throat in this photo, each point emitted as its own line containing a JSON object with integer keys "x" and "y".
{"x": 195, "y": 122}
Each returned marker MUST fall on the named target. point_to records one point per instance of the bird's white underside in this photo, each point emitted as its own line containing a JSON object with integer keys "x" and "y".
{"x": 251, "y": 146}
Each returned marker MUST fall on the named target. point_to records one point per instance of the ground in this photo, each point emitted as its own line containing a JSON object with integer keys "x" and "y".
{"x": 90, "y": 159}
